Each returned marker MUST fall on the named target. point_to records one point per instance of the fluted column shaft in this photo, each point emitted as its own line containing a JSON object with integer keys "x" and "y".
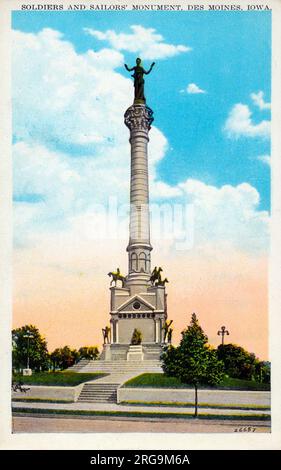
{"x": 139, "y": 192}
{"x": 138, "y": 119}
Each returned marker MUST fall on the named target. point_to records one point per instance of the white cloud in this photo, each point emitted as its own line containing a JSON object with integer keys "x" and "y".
{"x": 258, "y": 100}
{"x": 239, "y": 123}
{"x": 192, "y": 88}
{"x": 73, "y": 148}
{"x": 227, "y": 215}
{"x": 72, "y": 91}
{"x": 265, "y": 159}
{"x": 144, "y": 41}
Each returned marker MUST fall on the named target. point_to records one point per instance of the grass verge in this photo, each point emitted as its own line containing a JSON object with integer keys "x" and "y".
{"x": 163, "y": 381}
{"x": 63, "y": 379}
{"x": 202, "y": 405}
{"x": 40, "y": 400}
{"x": 139, "y": 414}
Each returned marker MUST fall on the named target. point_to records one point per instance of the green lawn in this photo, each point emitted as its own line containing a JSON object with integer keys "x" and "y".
{"x": 191, "y": 405}
{"x": 64, "y": 379}
{"x": 163, "y": 381}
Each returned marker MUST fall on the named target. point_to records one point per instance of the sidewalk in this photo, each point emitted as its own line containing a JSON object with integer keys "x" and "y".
{"x": 113, "y": 407}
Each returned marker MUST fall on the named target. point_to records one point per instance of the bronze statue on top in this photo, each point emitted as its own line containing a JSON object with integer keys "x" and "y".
{"x": 117, "y": 276}
{"x": 156, "y": 275}
{"x": 138, "y": 74}
{"x": 156, "y": 278}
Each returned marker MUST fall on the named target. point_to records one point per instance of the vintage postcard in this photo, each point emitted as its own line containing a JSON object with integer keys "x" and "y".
{"x": 141, "y": 164}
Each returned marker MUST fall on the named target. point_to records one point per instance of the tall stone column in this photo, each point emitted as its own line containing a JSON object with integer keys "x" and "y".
{"x": 138, "y": 119}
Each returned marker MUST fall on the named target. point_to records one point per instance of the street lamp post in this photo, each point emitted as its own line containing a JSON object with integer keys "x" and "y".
{"x": 223, "y": 331}
{"x": 28, "y": 336}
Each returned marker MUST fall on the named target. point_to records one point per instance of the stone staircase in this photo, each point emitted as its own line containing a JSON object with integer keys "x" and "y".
{"x": 77, "y": 367}
{"x": 104, "y": 389}
{"x": 122, "y": 368}
{"x": 98, "y": 393}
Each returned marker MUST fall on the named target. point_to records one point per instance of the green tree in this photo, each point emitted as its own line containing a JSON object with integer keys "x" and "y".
{"x": 88, "y": 352}
{"x": 62, "y": 358}
{"x": 193, "y": 361}
{"x": 137, "y": 337}
{"x": 263, "y": 372}
{"x": 238, "y": 362}
{"x": 55, "y": 358}
{"x": 34, "y": 348}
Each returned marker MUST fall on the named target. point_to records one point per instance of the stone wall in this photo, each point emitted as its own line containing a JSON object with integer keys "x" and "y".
{"x": 49, "y": 392}
{"x": 216, "y": 397}
{"x": 145, "y": 325}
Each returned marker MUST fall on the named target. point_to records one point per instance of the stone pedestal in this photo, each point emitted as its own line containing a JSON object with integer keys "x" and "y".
{"x": 135, "y": 353}
{"x": 106, "y": 353}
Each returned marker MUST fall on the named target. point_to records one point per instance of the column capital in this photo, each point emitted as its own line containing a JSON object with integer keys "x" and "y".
{"x": 139, "y": 117}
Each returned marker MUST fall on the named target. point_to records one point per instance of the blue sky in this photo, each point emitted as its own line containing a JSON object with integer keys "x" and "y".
{"x": 210, "y": 92}
{"x": 209, "y": 150}
{"x": 227, "y": 65}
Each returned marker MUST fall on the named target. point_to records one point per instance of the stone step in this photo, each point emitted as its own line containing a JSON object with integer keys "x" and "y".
{"x": 116, "y": 369}
{"x": 80, "y": 364}
{"x": 153, "y": 362}
{"x": 121, "y": 371}
{"x": 99, "y": 393}
{"x": 125, "y": 372}
{"x": 111, "y": 369}
{"x": 111, "y": 396}
{"x": 123, "y": 365}
{"x": 129, "y": 366}
{"x": 132, "y": 371}
{"x": 94, "y": 400}
{"x": 98, "y": 384}
{"x": 97, "y": 400}
{"x": 100, "y": 390}
{"x": 103, "y": 388}
{"x": 134, "y": 366}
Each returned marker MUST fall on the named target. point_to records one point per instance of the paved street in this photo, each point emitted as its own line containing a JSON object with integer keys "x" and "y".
{"x": 23, "y": 424}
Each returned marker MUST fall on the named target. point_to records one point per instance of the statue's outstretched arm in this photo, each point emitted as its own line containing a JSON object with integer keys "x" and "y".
{"x": 150, "y": 68}
{"x": 128, "y": 68}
